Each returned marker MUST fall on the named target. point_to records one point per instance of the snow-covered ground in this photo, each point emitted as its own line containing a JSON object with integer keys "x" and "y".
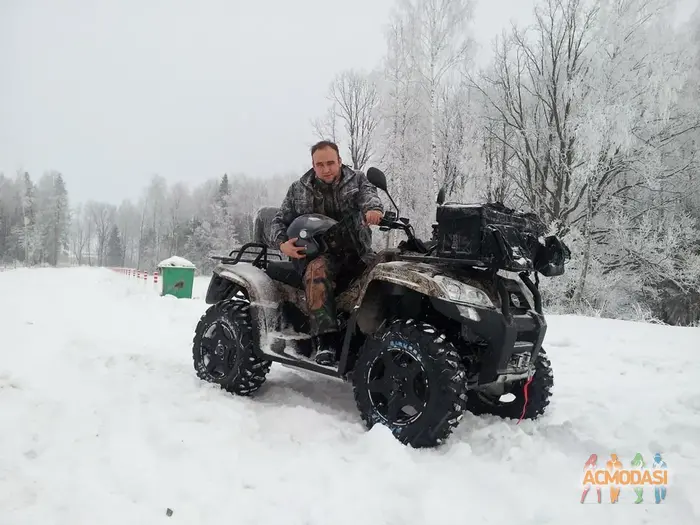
{"x": 102, "y": 421}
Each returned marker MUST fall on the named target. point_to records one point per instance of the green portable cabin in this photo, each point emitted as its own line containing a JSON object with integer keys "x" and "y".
{"x": 177, "y": 277}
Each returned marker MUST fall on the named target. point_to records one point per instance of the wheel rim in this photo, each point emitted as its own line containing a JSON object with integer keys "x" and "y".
{"x": 398, "y": 387}
{"x": 218, "y": 349}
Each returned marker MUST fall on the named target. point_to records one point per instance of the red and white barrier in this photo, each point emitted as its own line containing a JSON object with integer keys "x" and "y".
{"x": 139, "y": 274}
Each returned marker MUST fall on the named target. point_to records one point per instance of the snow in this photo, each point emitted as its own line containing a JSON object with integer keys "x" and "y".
{"x": 176, "y": 262}
{"x": 104, "y": 421}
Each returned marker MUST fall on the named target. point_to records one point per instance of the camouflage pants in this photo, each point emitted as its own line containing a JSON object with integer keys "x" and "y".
{"x": 320, "y": 276}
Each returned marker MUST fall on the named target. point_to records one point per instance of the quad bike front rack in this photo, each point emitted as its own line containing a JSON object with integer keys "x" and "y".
{"x": 260, "y": 259}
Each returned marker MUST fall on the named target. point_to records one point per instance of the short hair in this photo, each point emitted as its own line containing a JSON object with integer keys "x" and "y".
{"x": 324, "y": 144}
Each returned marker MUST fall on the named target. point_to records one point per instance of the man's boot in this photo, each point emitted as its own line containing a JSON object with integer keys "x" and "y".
{"x": 326, "y": 348}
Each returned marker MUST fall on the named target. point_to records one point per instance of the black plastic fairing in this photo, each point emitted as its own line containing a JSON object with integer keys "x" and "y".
{"x": 501, "y": 332}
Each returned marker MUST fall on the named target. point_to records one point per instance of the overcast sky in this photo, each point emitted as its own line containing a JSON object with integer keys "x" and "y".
{"x": 110, "y": 92}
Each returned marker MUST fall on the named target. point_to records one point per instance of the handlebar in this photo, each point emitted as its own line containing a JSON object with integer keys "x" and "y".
{"x": 389, "y": 222}
{"x": 385, "y": 224}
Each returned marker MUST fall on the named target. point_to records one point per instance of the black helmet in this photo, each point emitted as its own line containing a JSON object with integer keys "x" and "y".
{"x": 308, "y": 230}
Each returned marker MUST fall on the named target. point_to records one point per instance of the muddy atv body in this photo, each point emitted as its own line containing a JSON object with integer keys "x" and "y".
{"x": 429, "y": 330}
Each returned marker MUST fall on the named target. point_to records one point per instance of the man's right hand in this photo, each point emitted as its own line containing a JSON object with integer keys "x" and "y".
{"x": 295, "y": 252}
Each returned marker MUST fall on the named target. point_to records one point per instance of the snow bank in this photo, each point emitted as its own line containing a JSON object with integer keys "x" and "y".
{"x": 103, "y": 421}
{"x": 176, "y": 261}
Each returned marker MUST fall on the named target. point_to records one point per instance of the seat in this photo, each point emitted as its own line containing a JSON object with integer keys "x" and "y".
{"x": 284, "y": 272}
{"x": 261, "y": 224}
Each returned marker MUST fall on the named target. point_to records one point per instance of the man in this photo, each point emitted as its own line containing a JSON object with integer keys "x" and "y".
{"x": 337, "y": 191}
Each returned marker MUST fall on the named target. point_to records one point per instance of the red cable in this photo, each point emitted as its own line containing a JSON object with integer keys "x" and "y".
{"x": 527, "y": 383}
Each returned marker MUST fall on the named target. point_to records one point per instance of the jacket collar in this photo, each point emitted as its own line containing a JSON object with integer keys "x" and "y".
{"x": 347, "y": 174}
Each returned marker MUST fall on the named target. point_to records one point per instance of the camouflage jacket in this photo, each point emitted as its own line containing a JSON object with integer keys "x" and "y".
{"x": 347, "y": 200}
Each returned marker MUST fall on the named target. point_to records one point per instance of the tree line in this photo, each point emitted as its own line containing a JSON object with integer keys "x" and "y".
{"x": 37, "y": 226}
{"x": 590, "y": 117}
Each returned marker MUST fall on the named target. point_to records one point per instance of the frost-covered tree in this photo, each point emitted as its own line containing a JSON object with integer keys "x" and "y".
{"x": 590, "y": 102}
{"x": 128, "y": 222}
{"x": 533, "y": 89}
{"x": 115, "y": 251}
{"x": 328, "y": 126}
{"x": 34, "y": 219}
{"x": 78, "y": 235}
{"x": 424, "y": 135}
{"x": 27, "y": 230}
{"x": 439, "y": 50}
{"x": 178, "y": 205}
{"x": 403, "y": 133}
{"x": 354, "y": 100}
{"x": 101, "y": 217}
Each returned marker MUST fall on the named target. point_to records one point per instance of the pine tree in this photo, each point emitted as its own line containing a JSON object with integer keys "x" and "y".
{"x": 115, "y": 249}
{"x": 61, "y": 216}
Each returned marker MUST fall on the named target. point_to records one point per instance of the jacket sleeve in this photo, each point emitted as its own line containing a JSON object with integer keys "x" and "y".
{"x": 368, "y": 199}
{"x": 282, "y": 219}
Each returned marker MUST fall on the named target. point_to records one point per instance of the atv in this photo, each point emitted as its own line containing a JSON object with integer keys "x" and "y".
{"x": 428, "y": 331}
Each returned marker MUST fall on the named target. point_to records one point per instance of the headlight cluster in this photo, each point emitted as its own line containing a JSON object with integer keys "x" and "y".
{"x": 459, "y": 292}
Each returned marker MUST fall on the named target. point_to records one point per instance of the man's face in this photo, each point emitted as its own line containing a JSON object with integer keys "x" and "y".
{"x": 326, "y": 164}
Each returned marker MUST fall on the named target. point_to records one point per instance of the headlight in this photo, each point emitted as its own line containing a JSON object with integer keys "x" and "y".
{"x": 459, "y": 292}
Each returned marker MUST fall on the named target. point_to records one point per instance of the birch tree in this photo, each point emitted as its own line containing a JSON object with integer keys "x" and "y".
{"x": 440, "y": 50}
{"x": 78, "y": 234}
{"x": 404, "y": 133}
{"x": 102, "y": 217}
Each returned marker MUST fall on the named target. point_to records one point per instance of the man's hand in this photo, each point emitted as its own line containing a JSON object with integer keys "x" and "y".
{"x": 295, "y": 252}
{"x": 373, "y": 217}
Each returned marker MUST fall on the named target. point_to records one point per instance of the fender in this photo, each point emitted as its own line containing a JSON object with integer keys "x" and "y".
{"x": 367, "y": 303}
{"x": 417, "y": 277}
{"x": 403, "y": 274}
{"x": 414, "y": 276}
{"x": 262, "y": 293}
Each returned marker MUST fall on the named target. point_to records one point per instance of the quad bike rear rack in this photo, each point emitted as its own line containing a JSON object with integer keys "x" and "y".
{"x": 260, "y": 259}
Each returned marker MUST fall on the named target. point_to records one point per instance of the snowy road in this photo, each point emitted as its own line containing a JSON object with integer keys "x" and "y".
{"x": 102, "y": 421}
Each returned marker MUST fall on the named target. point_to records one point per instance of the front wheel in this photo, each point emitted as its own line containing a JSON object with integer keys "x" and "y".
{"x": 409, "y": 378}
{"x": 223, "y": 348}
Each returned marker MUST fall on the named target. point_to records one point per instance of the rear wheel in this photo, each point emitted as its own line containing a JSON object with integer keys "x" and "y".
{"x": 409, "y": 378}
{"x": 223, "y": 348}
{"x": 539, "y": 393}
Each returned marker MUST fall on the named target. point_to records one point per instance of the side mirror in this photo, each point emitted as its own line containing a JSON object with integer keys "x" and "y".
{"x": 377, "y": 178}
{"x": 441, "y": 197}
